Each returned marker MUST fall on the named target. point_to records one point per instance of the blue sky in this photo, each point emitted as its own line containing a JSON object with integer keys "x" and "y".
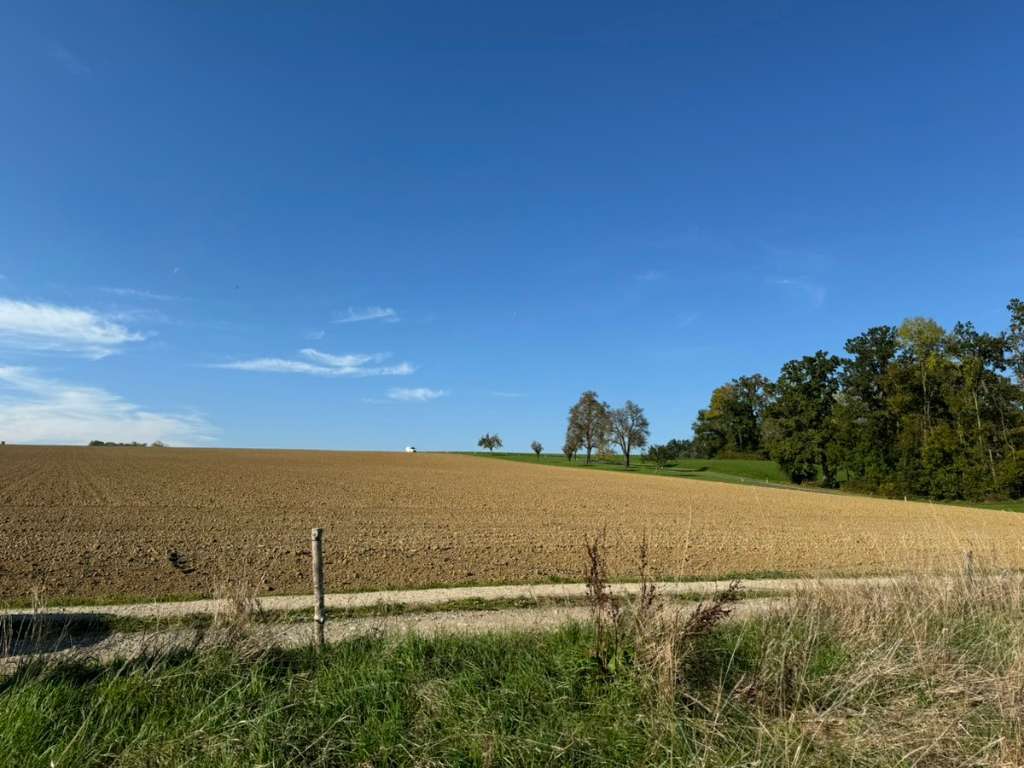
{"x": 328, "y": 225}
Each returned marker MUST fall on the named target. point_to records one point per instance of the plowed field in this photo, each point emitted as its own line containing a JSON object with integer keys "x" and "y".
{"x": 106, "y": 522}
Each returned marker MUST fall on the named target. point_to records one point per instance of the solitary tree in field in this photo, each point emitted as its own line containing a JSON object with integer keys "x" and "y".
{"x": 629, "y": 428}
{"x": 588, "y": 423}
{"x": 490, "y": 442}
{"x": 536, "y": 447}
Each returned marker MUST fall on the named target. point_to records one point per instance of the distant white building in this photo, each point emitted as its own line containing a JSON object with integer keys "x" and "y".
{"x": 410, "y": 449}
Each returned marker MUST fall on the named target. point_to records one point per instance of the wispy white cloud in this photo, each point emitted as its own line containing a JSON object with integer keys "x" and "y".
{"x": 50, "y": 328}
{"x": 415, "y": 394}
{"x": 343, "y": 361}
{"x": 324, "y": 364}
{"x": 315, "y": 335}
{"x": 133, "y": 293}
{"x": 71, "y": 62}
{"x": 353, "y": 315}
{"x": 38, "y": 410}
{"x": 811, "y": 291}
{"x": 138, "y": 315}
{"x": 274, "y": 365}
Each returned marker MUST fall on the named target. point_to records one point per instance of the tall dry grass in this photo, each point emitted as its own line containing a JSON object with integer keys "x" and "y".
{"x": 910, "y": 670}
{"x": 926, "y": 670}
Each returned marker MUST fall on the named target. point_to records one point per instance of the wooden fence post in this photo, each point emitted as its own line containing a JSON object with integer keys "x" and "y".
{"x": 318, "y": 586}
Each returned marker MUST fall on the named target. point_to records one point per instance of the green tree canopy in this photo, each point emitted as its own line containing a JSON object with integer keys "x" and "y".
{"x": 912, "y": 410}
{"x": 798, "y": 422}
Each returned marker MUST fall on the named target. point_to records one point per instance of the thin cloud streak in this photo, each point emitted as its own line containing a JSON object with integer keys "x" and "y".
{"x": 51, "y": 328}
{"x": 343, "y": 361}
{"x": 685, "y": 321}
{"x": 274, "y": 365}
{"x": 133, "y": 293}
{"x": 68, "y": 60}
{"x": 415, "y": 394}
{"x": 38, "y": 410}
{"x": 353, "y": 315}
{"x": 323, "y": 364}
{"x": 813, "y": 292}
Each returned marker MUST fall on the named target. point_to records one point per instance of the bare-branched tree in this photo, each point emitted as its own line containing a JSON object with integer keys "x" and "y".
{"x": 629, "y": 428}
{"x": 589, "y": 423}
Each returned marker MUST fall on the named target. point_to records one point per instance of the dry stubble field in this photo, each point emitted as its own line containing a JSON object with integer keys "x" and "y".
{"x": 114, "y": 522}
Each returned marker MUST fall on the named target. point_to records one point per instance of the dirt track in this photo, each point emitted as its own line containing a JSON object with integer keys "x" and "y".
{"x": 96, "y": 522}
{"x": 418, "y": 599}
{"x": 425, "y": 611}
{"x": 77, "y": 632}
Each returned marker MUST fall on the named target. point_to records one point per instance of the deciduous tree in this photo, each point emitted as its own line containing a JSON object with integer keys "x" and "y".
{"x": 570, "y": 447}
{"x": 798, "y": 423}
{"x": 629, "y": 428}
{"x": 865, "y": 420}
{"x": 589, "y": 423}
{"x": 1016, "y": 338}
{"x": 490, "y": 442}
{"x": 732, "y": 421}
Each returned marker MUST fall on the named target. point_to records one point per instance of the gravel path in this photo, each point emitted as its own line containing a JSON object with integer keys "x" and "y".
{"x": 422, "y": 598}
{"x": 95, "y": 644}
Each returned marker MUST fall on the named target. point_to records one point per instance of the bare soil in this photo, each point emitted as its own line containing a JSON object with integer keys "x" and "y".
{"x": 154, "y": 523}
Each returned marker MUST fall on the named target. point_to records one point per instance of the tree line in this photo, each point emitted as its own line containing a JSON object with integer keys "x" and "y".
{"x": 107, "y": 444}
{"x": 913, "y": 409}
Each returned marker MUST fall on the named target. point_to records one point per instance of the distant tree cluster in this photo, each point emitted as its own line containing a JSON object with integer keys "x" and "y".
{"x": 663, "y": 455}
{"x": 101, "y": 443}
{"x": 660, "y": 455}
{"x": 910, "y": 410}
{"x": 595, "y": 427}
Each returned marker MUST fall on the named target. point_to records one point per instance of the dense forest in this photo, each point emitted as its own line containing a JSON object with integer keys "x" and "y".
{"x": 913, "y": 410}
